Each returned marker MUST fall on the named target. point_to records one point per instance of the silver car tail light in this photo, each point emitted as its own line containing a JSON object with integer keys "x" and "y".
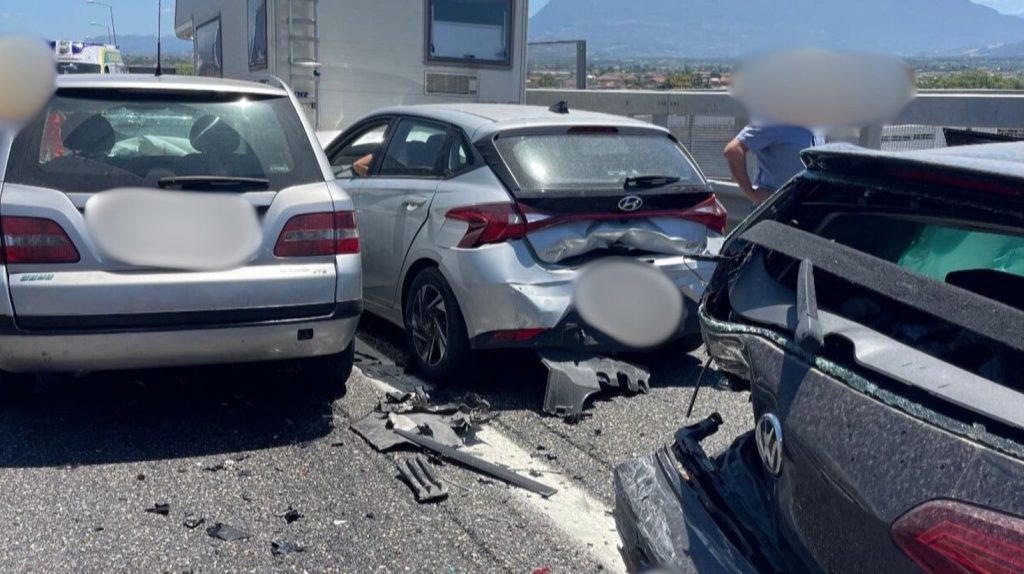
{"x": 489, "y": 223}
{"x": 33, "y": 240}
{"x": 318, "y": 234}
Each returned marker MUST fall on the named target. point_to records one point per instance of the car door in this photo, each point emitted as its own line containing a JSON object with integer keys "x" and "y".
{"x": 393, "y": 200}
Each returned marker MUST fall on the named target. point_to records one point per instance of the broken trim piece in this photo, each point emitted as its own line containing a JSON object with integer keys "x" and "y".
{"x": 421, "y": 478}
{"x": 573, "y": 378}
{"x": 490, "y": 469}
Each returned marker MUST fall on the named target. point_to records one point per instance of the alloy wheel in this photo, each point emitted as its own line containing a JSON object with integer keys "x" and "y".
{"x": 429, "y": 325}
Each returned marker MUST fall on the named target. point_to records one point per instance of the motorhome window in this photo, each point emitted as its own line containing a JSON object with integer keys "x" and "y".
{"x": 470, "y": 31}
{"x": 414, "y": 150}
{"x": 92, "y": 140}
{"x": 208, "y": 49}
{"x": 364, "y": 143}
{"x": 594, "y": 162}
{"x": 257, "y": 34}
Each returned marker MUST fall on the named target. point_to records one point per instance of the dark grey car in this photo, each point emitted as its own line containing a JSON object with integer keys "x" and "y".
{"x": 875, "y": 309}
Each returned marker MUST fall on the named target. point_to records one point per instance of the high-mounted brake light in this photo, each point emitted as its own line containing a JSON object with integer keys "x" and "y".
{"x": 318, "y": 234}
{"x": 32, "y": 240}
{"x": 490, "y": 223}
{"x": 946, "y": 537}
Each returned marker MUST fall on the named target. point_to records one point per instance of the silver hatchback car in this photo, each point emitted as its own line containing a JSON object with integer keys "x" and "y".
{"x": 477, "y": 218}
{"x": 119, "y": 204}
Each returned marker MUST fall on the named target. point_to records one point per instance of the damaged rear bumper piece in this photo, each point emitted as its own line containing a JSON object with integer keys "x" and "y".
{"x": 682, "y": 512}
{"x": 573, "y": 378}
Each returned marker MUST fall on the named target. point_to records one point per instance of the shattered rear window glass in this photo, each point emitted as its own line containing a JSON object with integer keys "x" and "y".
{"x": 593, "y": 161}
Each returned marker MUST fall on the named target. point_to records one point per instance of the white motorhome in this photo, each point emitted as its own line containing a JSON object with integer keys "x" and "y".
{"x": 346, "y": 58}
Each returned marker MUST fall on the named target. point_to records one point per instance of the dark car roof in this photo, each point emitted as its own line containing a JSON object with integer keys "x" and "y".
{"x": 1000, "y": 159}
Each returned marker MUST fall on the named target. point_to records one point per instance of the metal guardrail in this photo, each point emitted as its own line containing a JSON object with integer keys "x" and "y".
{"x": 706, "y": 120}
{"x": 977, "y": 109}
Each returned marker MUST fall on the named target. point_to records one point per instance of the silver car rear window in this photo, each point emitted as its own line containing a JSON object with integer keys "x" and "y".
{"x": 592, "y": 160}
{"x": 93, "y": 140}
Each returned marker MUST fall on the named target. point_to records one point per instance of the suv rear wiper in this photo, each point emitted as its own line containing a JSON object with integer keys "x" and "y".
{"x": 650, "y": 181}
{"x": 212, "y": 182}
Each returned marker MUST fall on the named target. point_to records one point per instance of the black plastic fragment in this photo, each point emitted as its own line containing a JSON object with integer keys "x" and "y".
{"x": 573, "y": 378}
{"x": 226, "y": 532}
{"x": 421, "y": 478}
{"x": 163, "y": 509}
{"x": 475, "y": 463}
{"x": 291, "y": 515}
{"x": 285, "y": 548}
{"x": 193, "y": 522}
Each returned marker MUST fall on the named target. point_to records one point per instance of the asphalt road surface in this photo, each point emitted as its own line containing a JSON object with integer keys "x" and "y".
{"x": 82, "y": 459}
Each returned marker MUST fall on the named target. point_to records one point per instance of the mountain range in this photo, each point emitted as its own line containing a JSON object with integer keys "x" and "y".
{"x": 732, "y": 28}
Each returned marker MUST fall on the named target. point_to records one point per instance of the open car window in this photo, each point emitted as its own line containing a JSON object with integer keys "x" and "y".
{"x": 363, "y": 144}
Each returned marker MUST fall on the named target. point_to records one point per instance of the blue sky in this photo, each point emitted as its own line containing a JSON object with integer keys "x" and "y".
{"x": 71, "y": 18}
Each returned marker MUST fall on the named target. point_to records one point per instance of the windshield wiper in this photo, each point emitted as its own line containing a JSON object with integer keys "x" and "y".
{"x": 212, "y": 182}
{"x": 650, "y": 181}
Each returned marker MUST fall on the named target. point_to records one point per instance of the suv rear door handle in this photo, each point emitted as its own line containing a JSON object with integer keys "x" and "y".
{"x": 413, "y": 202}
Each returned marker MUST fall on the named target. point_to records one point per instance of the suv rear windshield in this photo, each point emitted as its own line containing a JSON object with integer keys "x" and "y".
{"x": 594, "y": 161}
{"x": 92, "y": 140}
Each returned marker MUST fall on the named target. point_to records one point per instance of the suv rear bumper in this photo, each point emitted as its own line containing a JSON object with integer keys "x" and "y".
{"x": 175, "y": 346}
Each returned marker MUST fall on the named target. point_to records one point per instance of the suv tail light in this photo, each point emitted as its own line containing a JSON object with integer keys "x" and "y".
{"x": 490, "y": 223}
{"x": 946, "y": 537}
{"x": 36, "y": 240}
{"x": 318, "y": 234}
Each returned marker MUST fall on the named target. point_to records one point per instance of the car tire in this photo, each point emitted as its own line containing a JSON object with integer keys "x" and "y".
{"x": 329, "y": 374}
{"x": 435, "y": 328}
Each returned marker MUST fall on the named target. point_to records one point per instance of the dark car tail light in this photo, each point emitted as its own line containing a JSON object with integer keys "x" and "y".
{"x": 516, "y": 335}
{"x": 36, "y": 240}
{"x": 946, "y": 537}
{"x": 489, "y": 223}
{"x": 318, "y": 234}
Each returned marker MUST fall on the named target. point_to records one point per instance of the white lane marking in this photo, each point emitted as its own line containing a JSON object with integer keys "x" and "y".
{"x": 577, "y": 514}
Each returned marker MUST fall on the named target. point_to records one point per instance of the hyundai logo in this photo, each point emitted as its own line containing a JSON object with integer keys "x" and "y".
{"x": 769, "y": 443}
{"x": 630, "y": 204}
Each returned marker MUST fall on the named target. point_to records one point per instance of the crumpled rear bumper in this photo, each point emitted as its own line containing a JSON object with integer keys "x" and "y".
{"x": 681, "y": 511}
{"x": 663, "y": 524}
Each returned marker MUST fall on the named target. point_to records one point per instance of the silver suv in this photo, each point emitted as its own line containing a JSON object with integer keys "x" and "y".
{"x": 225, "y": 239}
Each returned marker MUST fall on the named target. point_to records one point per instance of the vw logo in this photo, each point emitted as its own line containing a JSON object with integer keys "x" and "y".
{"x": 630, "y": 203}
{"x": 769, "y": 443}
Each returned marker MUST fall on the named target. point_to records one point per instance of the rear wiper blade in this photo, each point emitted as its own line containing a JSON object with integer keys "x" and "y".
{"x": 651, "y": 181}
{"x": 212, "y": 181}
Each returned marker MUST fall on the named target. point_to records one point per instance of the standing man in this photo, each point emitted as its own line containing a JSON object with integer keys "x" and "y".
{"x": 777, "y": 149}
